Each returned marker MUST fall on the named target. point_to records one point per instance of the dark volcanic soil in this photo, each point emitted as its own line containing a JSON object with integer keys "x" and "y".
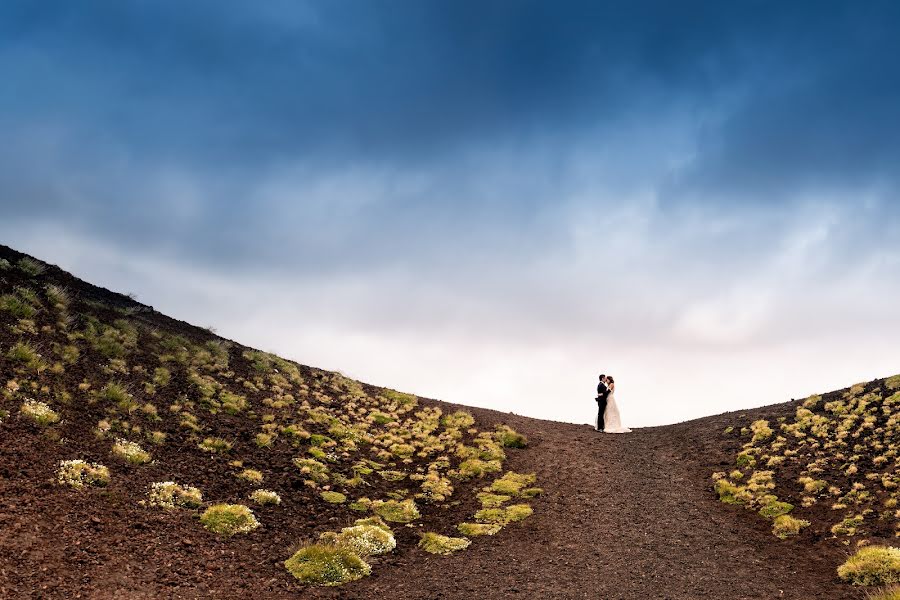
{"x": 623, "y": 517}
{"x": 630, "y": 517}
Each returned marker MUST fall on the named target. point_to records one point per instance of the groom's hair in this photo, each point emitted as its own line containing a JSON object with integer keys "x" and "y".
{"x": 602, "y": 376}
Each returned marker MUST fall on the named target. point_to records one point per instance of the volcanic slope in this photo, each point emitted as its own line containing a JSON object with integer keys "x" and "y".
{"x": 84, "y": 370}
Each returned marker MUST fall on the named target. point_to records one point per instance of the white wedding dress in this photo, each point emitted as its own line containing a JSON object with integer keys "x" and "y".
{"x": 611, "y": 419}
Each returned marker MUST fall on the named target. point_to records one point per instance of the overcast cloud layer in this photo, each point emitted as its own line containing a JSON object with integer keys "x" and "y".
{"x": 486, "y": 202}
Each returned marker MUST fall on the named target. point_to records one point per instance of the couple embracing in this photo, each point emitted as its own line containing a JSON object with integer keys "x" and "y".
{"x": 608, "y": 419}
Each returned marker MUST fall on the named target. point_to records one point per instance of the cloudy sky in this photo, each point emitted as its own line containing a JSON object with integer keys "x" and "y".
{"x": 488, "y": 202}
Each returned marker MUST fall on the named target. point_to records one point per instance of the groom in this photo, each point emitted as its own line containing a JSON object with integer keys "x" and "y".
{"x": 603, "y": 391}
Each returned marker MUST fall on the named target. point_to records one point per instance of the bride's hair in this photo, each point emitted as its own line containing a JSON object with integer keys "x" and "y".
{"x": 611, "y": 380}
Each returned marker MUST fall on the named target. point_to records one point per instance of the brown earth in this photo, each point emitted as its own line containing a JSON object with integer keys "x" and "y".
{"x": 622, "y": 517}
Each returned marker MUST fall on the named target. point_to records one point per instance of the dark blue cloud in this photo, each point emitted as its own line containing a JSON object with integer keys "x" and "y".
{"x": 102, "y": 99}
{"x": 225, "y": 80}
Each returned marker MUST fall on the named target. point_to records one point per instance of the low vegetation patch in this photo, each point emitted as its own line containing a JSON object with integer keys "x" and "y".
{"x": 326, "y": 564}
{"x": 39, "y": 412}
{"x": 169, "y": 494}
{"x": 363, "y": 539}
{"x": 872, "y": 565}
{"x": 78, "y": 473}
{"x": 265, "y": 497}
{"x": 442, "y": 544}
{"x": 395, "y": 511}
{"x": 112, "y": 376}
{"x": 333, "y": 497}
{"x": 130, "y": 452}
{"x": 229, "y": 519}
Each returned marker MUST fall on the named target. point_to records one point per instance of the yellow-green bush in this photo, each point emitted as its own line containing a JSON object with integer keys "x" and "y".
{"x": 326, "y": 564}
{"x": 442, "y": 544}
{"x": 229, "y": 519}
{"x": 872, "y": 565}
{"x": 396, "y": 511}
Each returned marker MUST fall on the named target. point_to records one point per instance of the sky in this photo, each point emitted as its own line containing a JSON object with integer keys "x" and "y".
{"x": 488, "y": 202}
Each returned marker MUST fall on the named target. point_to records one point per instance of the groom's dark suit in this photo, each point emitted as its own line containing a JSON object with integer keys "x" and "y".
{"x": 602, "y": 395}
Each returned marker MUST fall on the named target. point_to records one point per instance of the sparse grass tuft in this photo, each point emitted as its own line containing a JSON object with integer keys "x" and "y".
{"x": 326, "y": 564}
{"x": 229, "y": 519}
{"x": 442, "y": 544}
{"x": 78, "y": 473}
{"x": 24, "y": 354}
{"x": 31, "y": 267}
{"x": 872, "y": 565}
{"x": 250, "y": 475}
{"x": 214, "y": 444}
{"x": 17, "y": 307}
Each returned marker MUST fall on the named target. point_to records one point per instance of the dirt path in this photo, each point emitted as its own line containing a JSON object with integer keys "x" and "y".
{"x": 624, "y": 517}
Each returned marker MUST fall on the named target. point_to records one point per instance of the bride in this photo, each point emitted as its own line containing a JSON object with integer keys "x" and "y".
{"x": 611, "y": 419}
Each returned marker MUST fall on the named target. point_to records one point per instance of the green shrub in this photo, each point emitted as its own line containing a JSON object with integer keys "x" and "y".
{"x": 313, "y": 469}
{"x": 511, "y": 483}
{"x": 232, "y": 403}
{"x": 24, "y": 354}
{"x": 786, "y": 525}
{"x": 509, "y": 438}
{"x": 392, "y": 475}
{"x": 116, "y": 392}
{"x": 473, "y": 529}
{"x": 775, "y": 509}
{"x": 395, "y": 511}
{"x": 459, "y": 420}
{"x": 214, "y": 444}
{"x": 442, "y": 544}
{"x": 17, "y": 307}
{"x": 31, "y": 267}
{"x": 872, "y": 565}
{"x": 161, "y": 376}
{"x": 229, "y": 519}
{"x": 333, "y": 497}
{"x": 326, "y": 564}
{"x": 489, "y": 500}
{"x": 130, "y": 452}
{"x": 475, "y": 467}
{"x": 57, "y": 295}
